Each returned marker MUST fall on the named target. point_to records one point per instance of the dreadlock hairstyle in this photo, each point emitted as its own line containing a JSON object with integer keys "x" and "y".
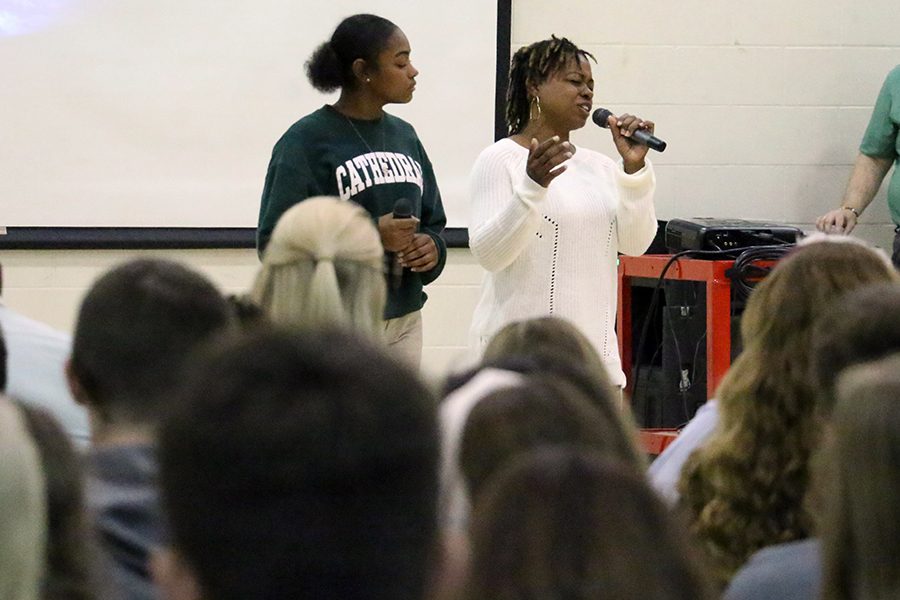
{"x": 532, "y": 65}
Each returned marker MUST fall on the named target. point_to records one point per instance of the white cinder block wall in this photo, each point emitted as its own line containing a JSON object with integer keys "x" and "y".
{"x": 763, "y": 103}
{"x": 49, "y": 286}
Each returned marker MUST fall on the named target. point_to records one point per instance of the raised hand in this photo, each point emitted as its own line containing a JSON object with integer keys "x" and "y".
{"x": 545, "y": 159}
{"x": 622, "y": 128}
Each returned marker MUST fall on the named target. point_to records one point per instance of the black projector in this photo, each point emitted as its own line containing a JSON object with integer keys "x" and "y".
{"x": 726, "y": 234}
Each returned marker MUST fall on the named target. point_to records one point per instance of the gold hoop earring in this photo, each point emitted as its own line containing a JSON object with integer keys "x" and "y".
{"x": 535, "y": 103}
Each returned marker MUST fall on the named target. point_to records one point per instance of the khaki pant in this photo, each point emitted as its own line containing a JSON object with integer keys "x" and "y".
{"x": 403, "y": 337}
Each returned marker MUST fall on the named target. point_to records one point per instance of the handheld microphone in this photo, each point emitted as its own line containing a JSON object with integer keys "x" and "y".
{"x": 402, "y": 210}
{"x": 645, "y": 138}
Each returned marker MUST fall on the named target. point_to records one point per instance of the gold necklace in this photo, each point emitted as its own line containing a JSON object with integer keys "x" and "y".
{"x": 361, "y": 138}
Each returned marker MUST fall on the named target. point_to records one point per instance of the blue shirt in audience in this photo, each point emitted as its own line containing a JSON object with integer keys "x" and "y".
{"x": 123, "y": 500}
{"x": 791, "y": 571}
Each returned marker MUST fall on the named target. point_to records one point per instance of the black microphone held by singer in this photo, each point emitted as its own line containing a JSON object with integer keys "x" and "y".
{"x": 640, "y": 136}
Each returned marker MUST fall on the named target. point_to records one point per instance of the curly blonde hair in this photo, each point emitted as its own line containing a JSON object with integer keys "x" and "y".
{"x": 744, "y": 489}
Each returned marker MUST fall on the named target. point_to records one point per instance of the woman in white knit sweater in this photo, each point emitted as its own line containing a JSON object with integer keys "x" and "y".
{"x": 548, "y": 219}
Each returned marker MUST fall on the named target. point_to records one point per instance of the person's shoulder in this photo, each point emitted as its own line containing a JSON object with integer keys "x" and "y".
{"x": 397, "y": 124}
{"x": 305, "y": 134}
{"x": 791, "y": 570}
{"x": 314, "y": 124}
{"x": 800, "y": 551}
{"x": 893, "y": 76}
{"x": 504, "y": 149}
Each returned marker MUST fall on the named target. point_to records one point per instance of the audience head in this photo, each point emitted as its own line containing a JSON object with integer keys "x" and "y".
{"x": 861, "y": 528}
{"x": 549, "y": 336}
{"x": 300, "y": 465}
{"x": 23, "y": 508}
{"x": 354, "y": 45}
{"x": 540, "y": 411}
{"x": 564, "y": 523}
{"x": 754, "y": 470}
{"x": 136, "y": 328}
{"x": 862, "y": 327}
{"x": 69, "y": 573}
{"x": 324, "y": 266}
{"x": 531, "y": 66}
{"x": 556, "y": 348}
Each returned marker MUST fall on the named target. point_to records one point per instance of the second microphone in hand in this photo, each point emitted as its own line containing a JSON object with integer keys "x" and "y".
{"x": 601, "y": 116}
{"x": 402, "y": 210}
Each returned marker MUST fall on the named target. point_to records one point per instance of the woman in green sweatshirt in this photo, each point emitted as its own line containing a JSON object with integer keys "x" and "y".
{"x": 353, "y": 149}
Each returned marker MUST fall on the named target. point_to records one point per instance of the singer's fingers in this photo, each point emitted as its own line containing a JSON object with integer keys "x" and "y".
{"x": 554, "y": 174}
{"x": 406, "y": 225}
{"x": 628, "y": 124}
{"x": 554, "y": 152}
{"x": 649, "y": 126}
{"x": 417, "y": 241}
{"x": 547, "y": 156}
{"x": 548, "y": 171}
{"x": 422, "y": 259}
{"x": 425, "y": 264}
{"x": 421, "y": 254}
{"x": 545, "y": 147}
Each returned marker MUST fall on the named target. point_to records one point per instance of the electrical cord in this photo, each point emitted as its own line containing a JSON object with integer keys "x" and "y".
{"x": 743, "y": 273}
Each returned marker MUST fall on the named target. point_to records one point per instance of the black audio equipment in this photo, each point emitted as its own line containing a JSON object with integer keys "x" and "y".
{"x": 727, "y": 234}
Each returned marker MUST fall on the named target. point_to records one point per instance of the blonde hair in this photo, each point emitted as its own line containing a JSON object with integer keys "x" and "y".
{"x": 23, "y": 510}
{"x": 860, "y": 483}
{"x": 744, "y": 488}
{"x": 323, "y": 266}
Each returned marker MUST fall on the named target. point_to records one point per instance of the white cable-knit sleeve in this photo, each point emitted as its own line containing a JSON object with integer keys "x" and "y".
{"x": 504, "y": 216}
{"x": 636, "y": 216}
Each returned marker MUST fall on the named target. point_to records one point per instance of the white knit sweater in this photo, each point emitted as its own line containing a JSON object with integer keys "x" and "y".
{"x": 553, "y": 251}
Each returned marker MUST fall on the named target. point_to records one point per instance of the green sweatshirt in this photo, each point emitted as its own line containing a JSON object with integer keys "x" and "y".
{"x": 373, "y": 163}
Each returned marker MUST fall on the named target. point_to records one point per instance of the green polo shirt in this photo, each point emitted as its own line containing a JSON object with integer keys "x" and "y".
{"x": 881, "y": 139}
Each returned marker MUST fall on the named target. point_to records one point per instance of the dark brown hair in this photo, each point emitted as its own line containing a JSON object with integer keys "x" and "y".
{"x": 543, "y": 410}
{"x": 360, "y": 36}
{"x": 565, "y": 524}
{"x": 532, "y": 65}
